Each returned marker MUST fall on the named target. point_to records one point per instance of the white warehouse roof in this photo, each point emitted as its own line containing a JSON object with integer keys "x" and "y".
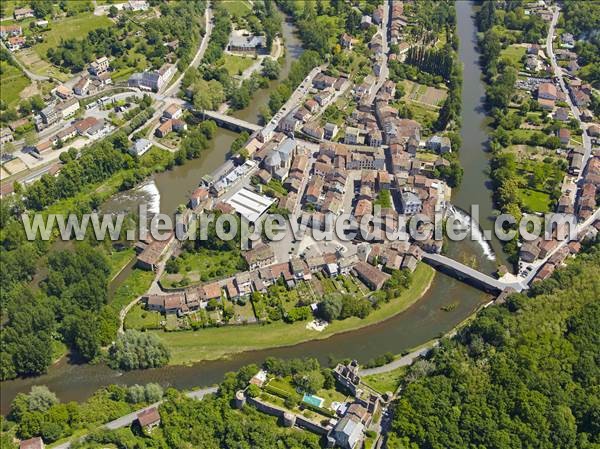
{"x": 249, "y": 205}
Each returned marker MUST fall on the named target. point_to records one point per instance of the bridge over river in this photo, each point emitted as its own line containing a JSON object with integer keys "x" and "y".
{"x": 470, "y": 275}
{"x": 230, "y": 122}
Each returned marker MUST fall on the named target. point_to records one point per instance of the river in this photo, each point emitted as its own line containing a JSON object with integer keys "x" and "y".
{"x": 423, "y": 321}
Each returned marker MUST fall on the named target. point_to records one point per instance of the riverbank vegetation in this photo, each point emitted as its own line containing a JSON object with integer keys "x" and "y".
{"x": 40, "y": 413}
{"x": 70, "y": 302}
{"x": 214, "y": 343}
{"x": 526, "y": 177}
{"x": 530, "y": 363}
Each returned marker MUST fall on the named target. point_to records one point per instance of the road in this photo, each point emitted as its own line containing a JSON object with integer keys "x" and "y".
{"x": 406, "y": 360}
{"x": 208, "y": 27}
{"x": 558, "y": 72}
{"x": 128, "y": 419}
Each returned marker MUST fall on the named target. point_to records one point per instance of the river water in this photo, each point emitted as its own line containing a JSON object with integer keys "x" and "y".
{"x": 421, "y": 322}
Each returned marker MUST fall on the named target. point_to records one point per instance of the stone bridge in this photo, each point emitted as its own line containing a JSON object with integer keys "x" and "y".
{"x": 470, "y": 275}
{"x": 232, "y": 123}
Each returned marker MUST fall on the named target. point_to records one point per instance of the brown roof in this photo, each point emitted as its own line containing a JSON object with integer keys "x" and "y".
{"x": 371, "y": 273}
{"x": 148, "y": 417}
{"x": 211, "y": 291}
{"x": 85, "y": 124}
{"x": 547, "y": 89}
{"x": 32, "y": 443}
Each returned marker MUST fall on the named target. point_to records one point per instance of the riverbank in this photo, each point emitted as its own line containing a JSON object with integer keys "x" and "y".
{"x": 189, "y": 347}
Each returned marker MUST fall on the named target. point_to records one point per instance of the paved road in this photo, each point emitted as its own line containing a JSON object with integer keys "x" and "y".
{"x": 558, "y": 72}
{"x": 128, "y": 419}
{"x": 406, "y": 360}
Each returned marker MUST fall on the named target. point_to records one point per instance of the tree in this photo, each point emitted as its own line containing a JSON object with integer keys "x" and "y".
{"x": 137, "y": 350}
{"x": 270, "y": 68}
{"x": 40, "y": 398}
{"x": 310, "y": 381}
{"x": 330, "y": 308}
{"x": 113, "y": 11}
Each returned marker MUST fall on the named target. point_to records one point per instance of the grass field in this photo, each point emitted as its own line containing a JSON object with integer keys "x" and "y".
{"x": 235, "y": 65}
{"x": 135, "y": 285}
{"x": 536, "y": 201}
{"x": 237, "y": 8}
{"x": 386, "y": 381}
{"x": 75, "y": 27}
{"x": 139, "y": 318}
{"x": 118, "y": 259}
{"x": 202, "y": 266}
{"x": 216, "y": 343}
{"x": 424, "y": 95}
{"x": 13, "y": 83}
{"x": 513, "y": 53}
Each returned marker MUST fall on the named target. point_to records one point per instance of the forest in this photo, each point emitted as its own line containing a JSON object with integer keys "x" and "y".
{"x": 522, "y": 374}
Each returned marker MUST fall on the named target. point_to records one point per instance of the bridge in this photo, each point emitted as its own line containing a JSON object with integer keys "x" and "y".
{"x": 470, "y": 275}
{"x": 232, "y": 123}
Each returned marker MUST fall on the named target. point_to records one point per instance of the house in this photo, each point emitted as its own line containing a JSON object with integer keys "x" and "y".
{"x": 174, "y": 111}
{"x": 99, "y": 66}
{"x": 561, "y": 114}
{"x": 371, "y": 276}
{"x": 42, "y": 147}
{"x": 375, "y": 137}
{"x": 15, "y": 43}
{"x": 330, "y": 130}
{"x": 546, "y": 104}
{"x": 302, "y": 114}
{"x": 152, "y": 252}
{"x": 323, "y": 97}
{"x": 347, "y": 376}
{"x": 259, "y": 257}
{"x": 439, "y": 144}
{"x": 68, "y": 107}
{"x": 411, "y": 203}
{"x": 243, "y": 41}
{"x": 593, "y": 131}
{"x": 351, "y": 135}
{"x": 149, "y": 419}
{"x": 65, "y": 134}
{"x": 366, "y": 22}
{"x": 567, "y": 40}
{"x": 10, "y": 30}
{"x": 6, "y": 136}
{"x": 210, "y": 291}
{"x": 564, "y": 135}
{"x": 529, "y": 251}
{"x": 23, "y": 13}
{"x": 243, "y": 283}
{"x": 84, "y": 125}
{"x": 140, "y": 147}
{"x": 311, "y": 105}
{"x": 32, "y": 443}
{"x": 322, "y": 81}
{"x": 153, "y": 80}
{"x": 137, "y": 5}
{"x": 198, "y": 196}
{"x": 547, "y": 91}
{"x": 348, "y": 433}
{"x": 63, "y": 92}
{"x": 313, "y": 130}
{"x": 81, "y": 87}
{"x": 289, "y": 123}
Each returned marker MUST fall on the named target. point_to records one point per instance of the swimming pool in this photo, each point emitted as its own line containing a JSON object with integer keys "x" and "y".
{"x": 313, "y": 400}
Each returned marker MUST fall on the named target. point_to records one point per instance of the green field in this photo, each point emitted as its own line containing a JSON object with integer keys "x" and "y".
{"x": 235, "y": 65}
{"x": 535, "y": 200}
{"x": 13, "y": 83}
{"x": 216, "y": 343}
{"x": 202, "y": 266}
{"x": 385, "y": 381}
{"x": 237, "y": 8}
{"x": 514, "y": 54}
{"x": 141, "y": 319}
{"x": 75, "y": 27}
{"x": 118, "y": 260}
